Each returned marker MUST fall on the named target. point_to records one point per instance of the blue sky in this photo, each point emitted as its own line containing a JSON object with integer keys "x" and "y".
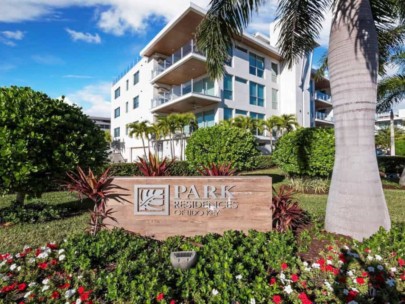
{"x": 76, "y": 47}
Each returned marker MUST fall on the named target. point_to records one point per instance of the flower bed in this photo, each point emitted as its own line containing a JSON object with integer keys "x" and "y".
{"x": 116, "y": 267}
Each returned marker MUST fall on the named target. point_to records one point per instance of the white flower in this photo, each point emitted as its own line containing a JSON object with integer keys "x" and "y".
{"x": 378, "y": 257}
{"x": 62, "y": 257}
{"x": 2, "y": 263}
{"x": 393, "y": 269}
{"x": 17, "y": 255}
{"x": 31, "y": 261}
{"x": 345, "y": 292}
{"x": 78, "y": 301}
{"x": 390, "y": 282}
{"x": 252, "y": 301}
{"x": 282, "y": 276}
{"x": 305, "y": 264}
{"x": 27, "y": 294}
{"x": 238, "y": 277}
{"x": 288, "y": 289}
{"x": 12, "y": 267}
{"x": 328, "y": 286}
{"x": 346, "y": 247}
{"x": 46, "y": 287}
{"x": 356, "y": 290}
{"x": 215, "y": 292}
{"x": 26, "y": 247}
{"x": 352, "y": 302}
{"x": 370, "y": 269}
{"x": 329, "y": 262}
{"x": 6, "y": 278}
{"x": 350, "y": 273}
{"x": 18, "y": 268}
{"x": 370, "y": 258}
{"x": 69, "y": 293}
{"x": 45, "y": 281}
{"x": 61, "y": 251}
{"x": 80, "y": 277}
{"x": 380, "y": 267}
{"x": 316, "y": 265}
{"x": 43, "y": 255}
{"x": 32, "y": 284}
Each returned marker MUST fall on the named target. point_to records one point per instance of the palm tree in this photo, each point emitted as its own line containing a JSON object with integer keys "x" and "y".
{"x": 156, "y": 133}
{"x": 168, "y": 125}
{"x": 270, "y": 124}
{"x": 182, "y": 121}
{"x": 383, "y": 137}
{"x": 356, "y": 204}
{"x": 139, "y": 130}
{"x": 247, "y": 123}
{"x": 287, "y": 123}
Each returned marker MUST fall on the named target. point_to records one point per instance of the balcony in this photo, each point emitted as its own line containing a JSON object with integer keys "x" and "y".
{"x": 187, "y": 62}
{"x": 186, "y": 97}
{"x": 322, "y": 100}
{"x": 322, "y": 118}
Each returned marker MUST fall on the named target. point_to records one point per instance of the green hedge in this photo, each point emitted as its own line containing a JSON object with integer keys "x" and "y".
{"x": 391, "y": 164}
{"x": 222, "y": 144}
{"x": 178, "y": 168}
{"x": 400, "y": 147}
{"x": 306, "y": 152}
{"x": 263, "y": 162}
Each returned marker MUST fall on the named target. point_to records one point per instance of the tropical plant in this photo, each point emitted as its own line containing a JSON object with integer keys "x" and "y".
{"x": 247, "y": 123}
{"x": 217, "y": 170}
{"x": 287, "y": 123}
{"x": 383, "y": 137}
{"x": 272, "y": 124}
{"x": 152, "y": 166}
{"x": 156, "y": 133}
{"x": 99, "y": 190}
{"x": 139, "y": 129}
{"x": 185, "y": 120}
{"x": 42, "y": 138}
{"x": 353, "y": 69}
{"x": 168, "y": 125}
{"x": 286, "y": 213}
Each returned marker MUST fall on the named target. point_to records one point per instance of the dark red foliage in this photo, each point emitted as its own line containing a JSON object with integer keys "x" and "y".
{"x": 217, "y": 170}
{"x": 153, "y": 166}
{"x": 285, "y": 211}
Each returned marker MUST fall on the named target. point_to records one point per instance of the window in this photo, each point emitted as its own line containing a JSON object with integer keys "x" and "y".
{"x": 127, "y": 84}
{"x": 256, "y": 115}
{"x": 126, "y": 130}
{"x": 241, "y": 49}
{"x": 228, "y": 113}
{"x": 126, "y": 107}
{"x": 117, "y": 93}
{"x": 256, "y": 65}
{"x": 256, "y": 94}
{"x": 230, "y": 55}
{"x": 274, "y": 72}
{"x": 228, "y": 86}
{"x": 240, "y": 112}
{"x": 136, "y": 102}
{"x": 205, "y": 119}
{"x": 117, "y": 132}
{"x": 274, "y": 99}
{"x": 117, "y": 112}
{"x": 136, "y": 78}
{"x": 239, "y": 79}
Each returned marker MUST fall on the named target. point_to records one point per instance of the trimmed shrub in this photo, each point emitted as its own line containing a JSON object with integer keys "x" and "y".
{"x": 306, "y": 152}
{"x": 391, "y": 164}
{"x": 222, "y": 144}
{"x": 400, "y": 147}
{"x": 178, "y": 168}
{"x": 263, "y": 162}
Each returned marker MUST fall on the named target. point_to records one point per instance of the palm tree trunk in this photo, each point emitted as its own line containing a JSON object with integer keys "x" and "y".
{"x": 356, "y": 204}
{"x": 181, "y": 146}
{"x": 144, "y": 148}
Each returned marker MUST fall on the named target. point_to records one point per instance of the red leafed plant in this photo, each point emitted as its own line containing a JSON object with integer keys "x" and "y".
{"x": 217, "y": 170}
{"x": 97, "y": 189}
{"x": 153, "y": 166}
{"x": 285, "y": 211}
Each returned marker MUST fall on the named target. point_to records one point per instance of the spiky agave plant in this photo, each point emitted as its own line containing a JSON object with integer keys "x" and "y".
{"x": 98, "y": 190}
{"x": 153, "y": 166}
{"x": 214, "y": 169}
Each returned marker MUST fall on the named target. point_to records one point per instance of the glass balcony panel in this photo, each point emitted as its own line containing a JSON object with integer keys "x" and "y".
{"x": 186, "y": 87}
{"x": 322, "y": 96}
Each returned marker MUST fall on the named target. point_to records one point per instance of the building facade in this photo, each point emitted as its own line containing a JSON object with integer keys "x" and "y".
{"x": 172, "y": 77}
{"x": 104, "y": 123}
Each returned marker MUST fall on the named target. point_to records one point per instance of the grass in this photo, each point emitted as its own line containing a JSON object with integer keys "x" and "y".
{"x": 15, "y": 237}
{"x": 315, "y": 204}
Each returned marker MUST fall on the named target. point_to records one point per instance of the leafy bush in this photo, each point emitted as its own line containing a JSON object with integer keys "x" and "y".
{"x": 306, "y": 152}
{"x": 400, "y": 147}
{"x": 37, "y": 212}
{"x": 182, "y": 168}
{"x": 309, "y": 185}
{"x": 178, "y": 168}
{"x": 222, "y": 144}
{"x": 391, "y": 164}
{"x": 263, "y": 162}
{"x": 217, "y": 170}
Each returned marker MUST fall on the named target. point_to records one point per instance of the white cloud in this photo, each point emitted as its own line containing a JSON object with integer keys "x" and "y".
{"x": 93, "y": 98}
{"x": 15, "y": 35}
{"x": 48, "y": 59}
{"x": 77, "y": 76}
{"x": 86, "y": 37}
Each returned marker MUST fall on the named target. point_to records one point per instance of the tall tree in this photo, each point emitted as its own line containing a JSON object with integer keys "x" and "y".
{"x": 139, "y": 129}
{"x": 168, "y": 125}
{"x": 287, "y": 123}
{"x": 272, "y": 124}
{"x": 356, "y": 204}
{"x": 184, "y": 120}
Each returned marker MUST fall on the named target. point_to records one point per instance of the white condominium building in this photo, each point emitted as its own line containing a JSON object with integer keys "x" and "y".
{"x": 172, "y": 77}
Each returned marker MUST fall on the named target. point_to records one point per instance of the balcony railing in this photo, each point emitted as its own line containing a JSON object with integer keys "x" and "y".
{"x": 323, "y": 96}
{"x": 188, "y": 48}
{"x": 323, "y": 116}
{"x": 202, "y": 87}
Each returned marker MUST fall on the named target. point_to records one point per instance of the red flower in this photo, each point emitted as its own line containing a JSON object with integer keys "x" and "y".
{"x": 22, "y": 287}
{"x": 360, "y": 280}
{"x": 272, "y": 281}
{"x": 64, "y": 286}
{"x": 160, "y": 297}
{"x": 403, "y": 277}
{"x": 294, "y": 278}
{"x": 304, "y": 298}
{"x": 85, "y": 295}
{"x": 364, "y": 274}
{"x": 284, "y": 266}
{"x": 401, "y": 262}
{"x": 54, "y": 262}
{"x": 277, "y": 299}
{"x": 304, "y": 284}
{"x": 367, "y": 250}
{"x": 342, "y": 258}
{"x": 172, "y": 302}
{"x": 38, "y": 252}
{"x": 351, "y": 295}
{"x": 43, "y": 265}
{"x": 330, "y": 248}
{"x": 80, "y": 290}
{"x": 52, "y": 246}
{"x": 8, "y": 288}
{"x": 55, "y": 295}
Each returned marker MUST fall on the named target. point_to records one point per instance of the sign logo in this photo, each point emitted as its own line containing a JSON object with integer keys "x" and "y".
{"x": 151, "y": 199}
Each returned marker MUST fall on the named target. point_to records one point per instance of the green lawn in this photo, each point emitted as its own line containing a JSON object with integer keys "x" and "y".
{"x": 316, "y": 204}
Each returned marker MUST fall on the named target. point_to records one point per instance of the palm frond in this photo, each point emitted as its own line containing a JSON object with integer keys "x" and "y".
{"x": 300, "y": 22}
{"x": 391, "y": 90}
{"x": 321, "y": 71}
{"x": 391, "y": 40}
{"x": 224, "y": 20}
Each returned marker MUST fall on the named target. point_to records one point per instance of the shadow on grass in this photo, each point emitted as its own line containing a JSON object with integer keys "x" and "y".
{"x": 276, "y": 178}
